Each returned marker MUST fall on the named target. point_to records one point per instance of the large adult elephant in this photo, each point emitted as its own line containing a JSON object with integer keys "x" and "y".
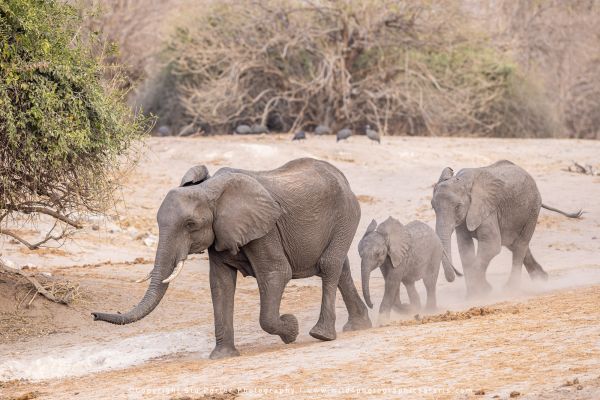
{"x": 499, "y": 206}
{"x": 292, "y": 222}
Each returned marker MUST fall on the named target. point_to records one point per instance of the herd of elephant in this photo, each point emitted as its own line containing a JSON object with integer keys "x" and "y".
{"x": 299, "y": 220}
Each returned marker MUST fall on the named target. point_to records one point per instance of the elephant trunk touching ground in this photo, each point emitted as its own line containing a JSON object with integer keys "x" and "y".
{"x": 163, "y": 269}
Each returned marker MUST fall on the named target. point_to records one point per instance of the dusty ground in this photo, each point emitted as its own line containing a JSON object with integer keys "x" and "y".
{"x": 531, "y": 342}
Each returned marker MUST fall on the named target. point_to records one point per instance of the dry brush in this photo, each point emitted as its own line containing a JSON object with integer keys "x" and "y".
{"x": 414, "y": 68}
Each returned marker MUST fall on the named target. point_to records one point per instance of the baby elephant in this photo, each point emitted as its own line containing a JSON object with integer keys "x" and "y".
{"x": 405, "y": 253}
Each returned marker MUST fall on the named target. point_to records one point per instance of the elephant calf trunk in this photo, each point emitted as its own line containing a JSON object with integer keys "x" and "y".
{"x": 366, "y": 274}
{"x": 450, "y": 272}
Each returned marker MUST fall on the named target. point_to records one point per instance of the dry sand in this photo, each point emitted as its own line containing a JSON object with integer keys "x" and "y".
{"x": 532, "y": 341}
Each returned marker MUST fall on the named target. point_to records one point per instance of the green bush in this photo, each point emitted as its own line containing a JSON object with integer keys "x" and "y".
{"x": 62, "y": 128}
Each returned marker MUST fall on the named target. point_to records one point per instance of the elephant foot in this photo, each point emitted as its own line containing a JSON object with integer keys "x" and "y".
{"x": 291, "y": 325}
{"x": 512, "y": 284}
{"x": 432, "y": 309}
{"x": 383, "y": 319}
{"x": 322, "y": 332}
{"x": 404, "y": 308}
{"x": 539, "y": 275}
{"x": 224, "y": 351}
{"x": 486, "y": 287}
{"x": 358, "y": 323}
{"x": 479, "y": 289}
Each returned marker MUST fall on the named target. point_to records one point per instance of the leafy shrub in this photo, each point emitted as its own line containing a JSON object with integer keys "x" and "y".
{"x": 61, "y": 128}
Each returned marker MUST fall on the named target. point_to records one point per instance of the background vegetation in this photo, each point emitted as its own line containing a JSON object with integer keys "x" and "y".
{"x": 405, "y": 67}
{"x": 62, "y": 127}
{"x": 521, "y": 68}
{"x": 517, "y": 68}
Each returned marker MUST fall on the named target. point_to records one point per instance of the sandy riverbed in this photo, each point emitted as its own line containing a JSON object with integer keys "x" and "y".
{"x": 530, "y": 342}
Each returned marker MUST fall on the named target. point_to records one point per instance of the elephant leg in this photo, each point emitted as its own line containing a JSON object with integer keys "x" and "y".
{"x": 430, "y": 282}
{"x": 413, "y": 296}
{"x": 489, "y": 244}
{"x": 358, "y": 315}
{"x": 271, "y": 286}
{"x": 466, "y": 249}
{"x": 273, "y": 272}
{"x": 222, "y": 288}
{"x": 520, "y": 248}
{"x": 331, "y": 270}
{"x": 398, "y": 306}
{"x": 534, "y": 269}
{"x": 392, "y": 287}
{"x": 518, "y": 255}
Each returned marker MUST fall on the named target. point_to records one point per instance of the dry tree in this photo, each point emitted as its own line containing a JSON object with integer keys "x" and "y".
{"x": 557, "y": 42}
{"x": 406, "y": 67}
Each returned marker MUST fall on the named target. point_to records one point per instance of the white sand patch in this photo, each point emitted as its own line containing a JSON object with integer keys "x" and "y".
{"x": 260, "y": 150}
{"x": 60, "y": 362}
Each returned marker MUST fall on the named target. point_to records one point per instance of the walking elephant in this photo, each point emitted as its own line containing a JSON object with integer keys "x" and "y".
{"x": 498, "y": 205}
{"x": 405, "y": 254}
{"x": 292, "y": 222}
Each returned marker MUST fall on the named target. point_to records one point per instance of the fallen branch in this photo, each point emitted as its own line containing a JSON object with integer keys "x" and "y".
{"x": 36, "y": 284}
{"x": 580, "y": 169}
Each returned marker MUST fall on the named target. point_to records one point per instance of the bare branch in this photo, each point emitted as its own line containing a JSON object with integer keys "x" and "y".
{"x": 36, "y": 284}
{"x": 44, "y": 210}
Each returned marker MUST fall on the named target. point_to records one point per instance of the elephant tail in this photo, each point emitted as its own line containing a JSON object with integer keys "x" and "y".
{"x": 576, "y": 214}
{"x": 452, "y": 272}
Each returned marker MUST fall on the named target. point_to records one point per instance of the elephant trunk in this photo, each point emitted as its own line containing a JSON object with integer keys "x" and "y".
{"x": 366, "y": 274}
{"x": 444, "y": 232}
{"x": 155, "y": 292}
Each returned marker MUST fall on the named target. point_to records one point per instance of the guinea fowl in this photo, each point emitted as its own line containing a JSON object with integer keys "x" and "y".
{"x": 343, "y": 134}
{"x": 164, "y": 130}
{"x": 300, "y": 135}
{"x": 243, "y": 130}
{"x": 322, "y": 130}
{"x": 372, "y": 134}
{"x": 257, "y": 128}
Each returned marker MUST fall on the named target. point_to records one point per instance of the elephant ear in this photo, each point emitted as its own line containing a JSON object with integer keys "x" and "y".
{"x": 243, "y": 211}
{"x": 446, "y": 174}
{"x": 195, "y": 175}
{"x": 486, "y": 195}
{"x": 372, "y": 226}
{"x": 397, "y": 239}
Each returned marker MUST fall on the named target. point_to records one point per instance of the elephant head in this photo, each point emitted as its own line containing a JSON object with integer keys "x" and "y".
{"x": 468, "y": 197}
{"x": 225, "y": 211}
{"x": 389, "y": 239}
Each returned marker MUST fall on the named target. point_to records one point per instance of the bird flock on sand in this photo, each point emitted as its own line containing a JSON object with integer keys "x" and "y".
{"x": 342, "y": 134}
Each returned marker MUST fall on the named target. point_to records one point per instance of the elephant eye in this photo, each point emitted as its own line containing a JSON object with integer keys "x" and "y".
{"x": 191, "y": 225}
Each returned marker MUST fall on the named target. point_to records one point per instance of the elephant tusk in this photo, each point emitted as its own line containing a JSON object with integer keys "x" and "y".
{"x": 176, "y": 272}
{"x": 144, "y": 279}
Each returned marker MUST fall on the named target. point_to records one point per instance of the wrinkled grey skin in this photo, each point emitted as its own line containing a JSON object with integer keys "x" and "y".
{"x": 498, "y": 205}
{"x": 405, "y": 253}
{"x": 292, "y": 222}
